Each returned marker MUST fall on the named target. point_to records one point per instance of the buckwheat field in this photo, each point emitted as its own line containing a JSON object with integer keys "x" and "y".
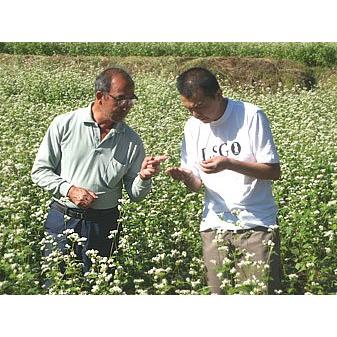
{"x": 160, "y": 247}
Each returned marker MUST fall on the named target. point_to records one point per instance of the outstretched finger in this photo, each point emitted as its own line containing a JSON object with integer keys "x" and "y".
{"x": 161, "y": 158}
{"x": 157, "y": 160}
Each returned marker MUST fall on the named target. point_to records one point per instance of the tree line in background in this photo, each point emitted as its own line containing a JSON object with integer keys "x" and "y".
{"x": 322, "y": 54}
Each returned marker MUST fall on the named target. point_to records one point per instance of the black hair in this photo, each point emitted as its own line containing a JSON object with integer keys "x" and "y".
{"x": 103, "y": 80}
{"x": 196, "y": 79}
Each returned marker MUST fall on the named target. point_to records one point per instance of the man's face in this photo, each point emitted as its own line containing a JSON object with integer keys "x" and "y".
{"x": 118, "y": 102}
{"x": 205, "y": 108}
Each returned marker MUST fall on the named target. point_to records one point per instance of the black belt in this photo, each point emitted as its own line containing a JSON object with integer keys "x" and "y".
{"x": 82, "y": 214}
{"x": 255, "y": 229}
{"x": 241, "y": 231}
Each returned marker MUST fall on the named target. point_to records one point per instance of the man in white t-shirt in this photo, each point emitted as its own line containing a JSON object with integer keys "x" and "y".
{"x": 228, "y": 147}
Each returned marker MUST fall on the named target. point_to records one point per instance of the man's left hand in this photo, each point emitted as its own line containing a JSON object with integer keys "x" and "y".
{"x": 151, "y": 166}
{"x": 215, "y": 164}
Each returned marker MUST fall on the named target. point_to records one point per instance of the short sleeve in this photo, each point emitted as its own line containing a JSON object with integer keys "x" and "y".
{"x": 262, "y": 142}
{"x": 189, "y": 154}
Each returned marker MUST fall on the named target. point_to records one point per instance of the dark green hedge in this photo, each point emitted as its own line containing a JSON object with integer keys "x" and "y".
{"x": 308, "y": 53}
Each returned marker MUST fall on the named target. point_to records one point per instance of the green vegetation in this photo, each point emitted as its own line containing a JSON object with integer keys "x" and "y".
{"x": 160, "y": 251}
{"x": 309, "y": 53}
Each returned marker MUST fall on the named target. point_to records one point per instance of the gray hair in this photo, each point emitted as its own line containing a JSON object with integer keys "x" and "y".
{"x": 103, "y": 80}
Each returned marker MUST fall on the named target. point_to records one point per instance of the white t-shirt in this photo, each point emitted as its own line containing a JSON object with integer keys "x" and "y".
{"x": 233, "y": 200}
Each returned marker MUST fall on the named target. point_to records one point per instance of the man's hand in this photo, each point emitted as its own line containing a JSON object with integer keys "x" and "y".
{"x": 151, "y": 166}
{"x": 81, "y": 197}
{"x": 180, "y": 173}
{"x": 215, "y": 164}
{"x": 265, "y": 171}
{"x": 186, "y": 176}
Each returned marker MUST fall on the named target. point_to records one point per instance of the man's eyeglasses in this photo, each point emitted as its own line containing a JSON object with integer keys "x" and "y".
{"x": 121, "y": 100}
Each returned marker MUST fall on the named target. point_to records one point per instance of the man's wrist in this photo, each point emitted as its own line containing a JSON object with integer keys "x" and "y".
{"x": 230, "y": 164}
{"x": 142, "y": 177}
{"x": 69, "y": 191}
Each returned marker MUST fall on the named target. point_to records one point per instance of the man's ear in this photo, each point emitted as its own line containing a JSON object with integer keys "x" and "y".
{"x": 99, "y": 95}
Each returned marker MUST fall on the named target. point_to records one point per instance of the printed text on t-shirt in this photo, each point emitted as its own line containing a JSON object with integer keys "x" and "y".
{"x": 221, "y": 150}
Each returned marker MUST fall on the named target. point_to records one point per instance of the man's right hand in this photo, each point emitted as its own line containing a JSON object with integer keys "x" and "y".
{"x": 151, "y": 166}
{"x": 179, "y": 173}
{"x": 81, "y": 197}
{"x": 186, "y": 176}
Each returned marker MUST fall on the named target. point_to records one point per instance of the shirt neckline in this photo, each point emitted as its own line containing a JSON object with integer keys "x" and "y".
{"x": 225, "y": 115}
{"x": 87, "y": 118}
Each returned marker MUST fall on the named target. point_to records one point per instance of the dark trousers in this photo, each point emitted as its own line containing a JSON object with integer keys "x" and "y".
{"x": 95, "y": 227}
